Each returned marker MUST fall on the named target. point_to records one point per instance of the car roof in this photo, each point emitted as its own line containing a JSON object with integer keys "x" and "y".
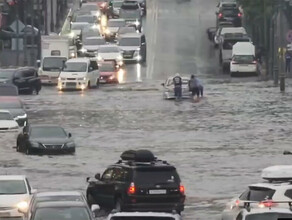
{"x": 60, "y": 204}
{"x": 12, "y": 177}
{"x": 76, "y": 60}
{"x": 60, "y": 193}
{"x": 272, "y": 185}
{"x": 151, "y": 214}
{"x": 131, "y": 35}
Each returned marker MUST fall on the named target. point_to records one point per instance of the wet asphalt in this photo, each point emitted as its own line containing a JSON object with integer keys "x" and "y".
{"x": 218, "y": 145}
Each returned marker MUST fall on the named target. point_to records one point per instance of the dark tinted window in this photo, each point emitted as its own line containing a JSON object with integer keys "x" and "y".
{"x": 48, "y": 132}
{"x": 230, "y": 12}
{"x": 141, "y": 218}
{"x": 260, "y": 193}
{"x": 228, "y": 44}
{"x": 156, "y": 175}
{"x": 107, "y": 175}
{"x": 93, "y": 64}
{"x": 61, "y": 213}
{"x": 288, "y": 193}
{"x": 118, "y": 174}
{"x": 10, "y": 187}
{"x": 244, "y": 196}
{"x": 130, "y": 6}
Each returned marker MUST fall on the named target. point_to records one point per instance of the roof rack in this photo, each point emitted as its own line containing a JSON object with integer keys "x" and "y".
{"x": 280, "y": 173}
{"x": 265, "y": 204}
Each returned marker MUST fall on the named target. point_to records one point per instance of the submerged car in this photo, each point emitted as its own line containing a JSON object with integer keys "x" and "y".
{"x": 110, "y": 53}
{"x": 109, "y": 72}
{"x": 44, "y": 139}
{"x": 7, "y": 122}
{"x": 168, "y": 88}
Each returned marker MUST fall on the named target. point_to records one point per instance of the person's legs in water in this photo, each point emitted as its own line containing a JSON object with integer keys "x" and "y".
{"x": 176, "y": 93}
{"x": 202, "y": 91}
{"x": 179, "y": 92}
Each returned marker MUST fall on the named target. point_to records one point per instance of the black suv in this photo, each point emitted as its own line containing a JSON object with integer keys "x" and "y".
{"x": 230, "y": 15}
{"x": 25, "y": 78}
{"x": 137, "y": 182}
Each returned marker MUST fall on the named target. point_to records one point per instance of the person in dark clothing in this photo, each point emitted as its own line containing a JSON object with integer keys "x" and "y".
{"x": 196, "y": 87}
{"x": 288, "y": 61}
{"x": 177, "y": 82}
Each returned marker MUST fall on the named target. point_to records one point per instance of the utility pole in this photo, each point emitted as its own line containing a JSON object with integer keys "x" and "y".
{"x": 282, "y": 52}
{"x": 25, "y": 34}
{"x": 52, "y": 16}
{"x": 275, "y": 46}
{"x": 17, "y": 34}
{"x": 39, "y": 25}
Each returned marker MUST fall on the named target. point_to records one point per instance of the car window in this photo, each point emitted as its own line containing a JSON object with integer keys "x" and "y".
{"x": 107, "y": 175}
{"x": 288, "y": 193}
{"x": 28, "y": 73}
{"x": 143, "y": 39}
{"x": 28, "y": 186}
{"x": 93, "y": 64}
{"x": 118, "y": 174}
{"x": 260, "y": 193}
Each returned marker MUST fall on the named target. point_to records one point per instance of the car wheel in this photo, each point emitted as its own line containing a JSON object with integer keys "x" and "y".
{"x": 118, "y": 205}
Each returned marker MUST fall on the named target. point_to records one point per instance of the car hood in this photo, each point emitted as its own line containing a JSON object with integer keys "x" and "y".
{"x": 16, "y": 112}
{"x": 91, "y": 47}
{"x": 12, "y": 200}
{"x": 72, "y": 74}
{"x": 113, "y": 29}
{"x": 128, "y": 48}
{"x": 8, "y": 123}
{"x": 50, "y": 140}
{"x": 4, "y": 80}
{"x": 109, "y": 55}
{"x": 107, "y": 73}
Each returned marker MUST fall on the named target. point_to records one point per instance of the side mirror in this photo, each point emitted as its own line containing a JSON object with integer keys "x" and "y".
{"x": 69, "y": 135}
{"x": 162, "y": 84}
{"x": 97, "y": 176}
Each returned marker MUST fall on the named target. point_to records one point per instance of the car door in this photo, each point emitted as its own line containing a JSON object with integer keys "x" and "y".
{"x": 118, "y": 178}
{"x": 19, "y": 80}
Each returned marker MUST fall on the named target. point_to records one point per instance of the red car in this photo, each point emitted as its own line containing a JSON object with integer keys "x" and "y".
{"x": 109, "y": 72}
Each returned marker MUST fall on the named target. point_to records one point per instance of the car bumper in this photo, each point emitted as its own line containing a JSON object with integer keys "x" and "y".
{"x": 72, "y": 85}
{"x": 170, "y": 95}
{"x": 245, "y": 68}
{"x": 11, "y": 213}
{"x": 104, "y": 80}
{"x": 133, "y": 59}
{"x": 47, "y": 80}
{"x": 53, "y": 151}
{"x": 161, "y": 207}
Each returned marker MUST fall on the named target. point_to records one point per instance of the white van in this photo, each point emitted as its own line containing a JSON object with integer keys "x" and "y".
{"x": 80, "y": 74}
{"x": 243, "y": 58}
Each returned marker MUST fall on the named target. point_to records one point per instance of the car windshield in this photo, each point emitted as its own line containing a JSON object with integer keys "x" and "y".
{"x": 89, "y": 8}
{"x": 5, "y": 116}
{"x": 6, "y": 74}
{"x": 90, "y": 32}
{"x": 152, "y": 176}
{"x": 94, "y": 41}
{"x": 11, "y": 187}
{"x": 269, "y": 216}
{"x": 117, "y": 4}
{"x": 133, "y": 41}
{"x": 53, "y": 63}
{"x": 75, "y": 67}
{"x": 109, "y": 50}
{"x": 48, "y": 132}
{"x": 10, "y": 104}
{"x": 228, "y": 44}
{"x": 127, "y": 30}
{"x": 141, "y": 218}
{"x": 112, "y": 23}
{"x": 130, "y": 6}
{"x": 243, "y": 58}
{"x": 260, "y": 193}
{"x": 130, "y": 14}
{"x": 76, "y": 26}
{"x": 61, "y": 213}
{"x": 88, "y": 19}
{"x": 107, "y": 68}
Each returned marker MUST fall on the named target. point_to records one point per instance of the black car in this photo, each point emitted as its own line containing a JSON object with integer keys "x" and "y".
{"x": 231, "y": 15}
{"x": 25, "y": 78}
{"x": 138, "y": 182}
{"x": 44, "y": 139}
{"x": 61, "y": 210}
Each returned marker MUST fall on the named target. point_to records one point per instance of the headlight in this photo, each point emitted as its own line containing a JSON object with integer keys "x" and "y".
{"x": 137, "y": 23}
{"x": 119, "y": 57}
{"x": 112, "y": 77}
{"x": 23, "y": 206}
{"x": 97, "y": 14}
{"x": 72, "y": 54}
{"x": 22, "y": 116}
{"x": 70, "y": 144}
{"x": 99, "y": 58}
{"x": 139, "y": 58}
{"x": 107, "y": 31}
{"x": 72, "y": 35}
{"x": 61, "y": 79}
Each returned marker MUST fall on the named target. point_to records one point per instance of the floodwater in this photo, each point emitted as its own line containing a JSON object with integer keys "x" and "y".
{"x": 218, "y": 145}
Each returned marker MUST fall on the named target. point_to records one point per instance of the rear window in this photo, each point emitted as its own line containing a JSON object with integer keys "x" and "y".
{"x": 230, "y": 12}
{"x": 258, "y": 194}
{"x": 243, "y": 58}
{"x": 269, "y": 216}
{"x": 158, "y": 176}
{"x": 141, "y": 218}
{"x": 130, "y": 6}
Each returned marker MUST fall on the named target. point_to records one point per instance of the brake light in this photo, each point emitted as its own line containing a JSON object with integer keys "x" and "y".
{"x": 268, "y": 203}
{"x": 254, "y": 62}
{"x": 239, "y": 14}
{"x": 182, "y": 189}
{"x": 132, "y": 189}
{"x": 220, "y": 15}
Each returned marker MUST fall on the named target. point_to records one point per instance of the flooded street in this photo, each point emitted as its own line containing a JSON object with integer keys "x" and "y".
{"x": 218, "y": 145}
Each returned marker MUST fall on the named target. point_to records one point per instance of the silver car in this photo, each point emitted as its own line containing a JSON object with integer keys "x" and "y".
{"x": 168, "y": 88}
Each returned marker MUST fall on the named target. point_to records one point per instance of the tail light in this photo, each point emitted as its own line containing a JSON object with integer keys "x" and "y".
{"x": 254, "y": 62}
{"x": 239, "y": 14}
{"x": 132, "y": 189}
{"x": 182, "y": 189}
{"x": 268, "y": 203}
{"x": 220, "y": 15}
{"x": 234, "y": 62}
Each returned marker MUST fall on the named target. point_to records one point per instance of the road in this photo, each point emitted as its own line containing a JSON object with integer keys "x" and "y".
{"x": 218, "y": 145}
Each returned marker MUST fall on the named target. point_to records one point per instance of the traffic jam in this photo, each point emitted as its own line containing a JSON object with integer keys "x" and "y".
{"x": 97, "y": 46}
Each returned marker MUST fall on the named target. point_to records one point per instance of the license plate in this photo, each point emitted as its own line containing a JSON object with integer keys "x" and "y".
{"x": 4, "y": 214}
{"x": 157, "y": 191}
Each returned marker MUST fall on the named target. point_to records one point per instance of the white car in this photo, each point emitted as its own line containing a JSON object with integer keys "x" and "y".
{"x": 143, "y": 215}
{"x": 279, "y": 188}
{"x": 91, "y": 45}
{"x": 15, "y": 195}
{"x": 168, "y": 88}
{"x": 7, "y": 123}
{"x": 112, "y": 28}
{"x": 110, "y": 53}
{"x": 265, "y": 212}
{"x": 80, "y": 74}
